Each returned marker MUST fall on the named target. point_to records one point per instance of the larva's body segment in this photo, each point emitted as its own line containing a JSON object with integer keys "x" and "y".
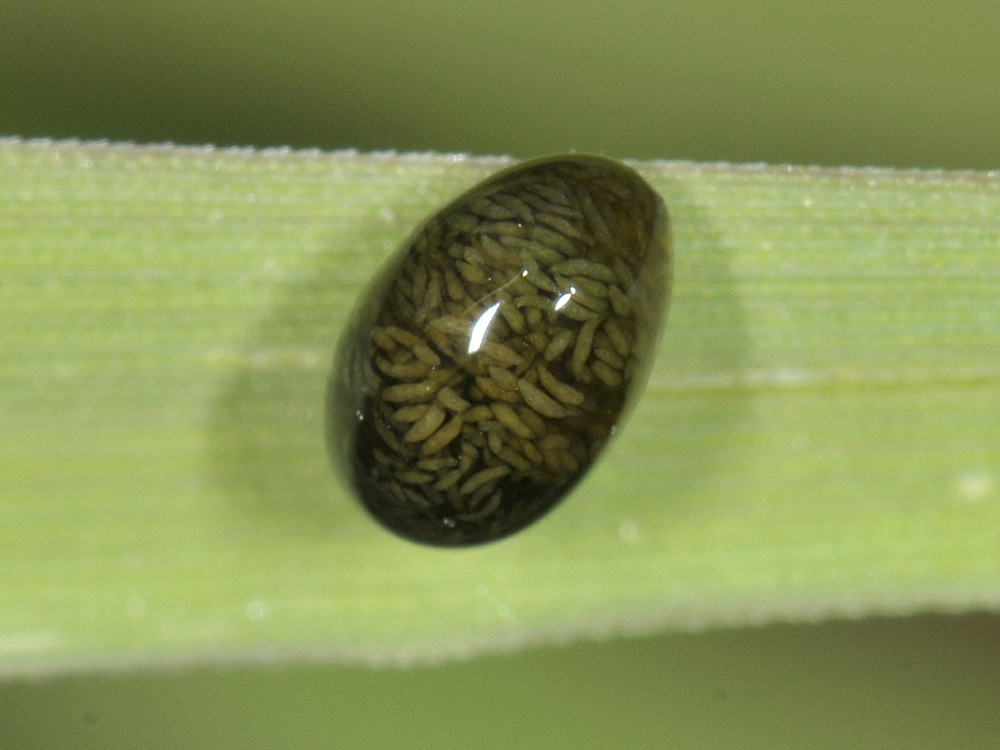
{"x": 487, "y": 367}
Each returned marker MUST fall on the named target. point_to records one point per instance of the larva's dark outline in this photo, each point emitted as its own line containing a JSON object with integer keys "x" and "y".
{"x": 486, "y": 368}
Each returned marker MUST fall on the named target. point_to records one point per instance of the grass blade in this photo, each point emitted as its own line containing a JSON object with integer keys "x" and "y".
{"x": 820, "y": 436}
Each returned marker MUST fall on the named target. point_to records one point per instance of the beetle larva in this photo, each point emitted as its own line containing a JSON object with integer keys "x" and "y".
{"x": 489, "y": 364}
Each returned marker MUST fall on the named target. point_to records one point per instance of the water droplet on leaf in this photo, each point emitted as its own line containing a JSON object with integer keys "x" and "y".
{"x": 489, "y": 364}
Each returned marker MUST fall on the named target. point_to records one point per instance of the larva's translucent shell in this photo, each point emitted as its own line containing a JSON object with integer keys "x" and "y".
{"x": 489, "y": 364}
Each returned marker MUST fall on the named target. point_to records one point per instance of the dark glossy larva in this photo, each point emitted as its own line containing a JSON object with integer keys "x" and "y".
{"x": 490, "y": 363}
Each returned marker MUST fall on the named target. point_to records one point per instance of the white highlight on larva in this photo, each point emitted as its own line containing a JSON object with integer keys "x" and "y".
{"x": 481, "y": 328}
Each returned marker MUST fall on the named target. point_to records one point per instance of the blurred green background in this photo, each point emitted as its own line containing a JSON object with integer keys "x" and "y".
{"x": 842, "y": 82}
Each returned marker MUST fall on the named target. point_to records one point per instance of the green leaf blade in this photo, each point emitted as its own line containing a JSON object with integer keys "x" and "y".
{"x": 820, "y": 435}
